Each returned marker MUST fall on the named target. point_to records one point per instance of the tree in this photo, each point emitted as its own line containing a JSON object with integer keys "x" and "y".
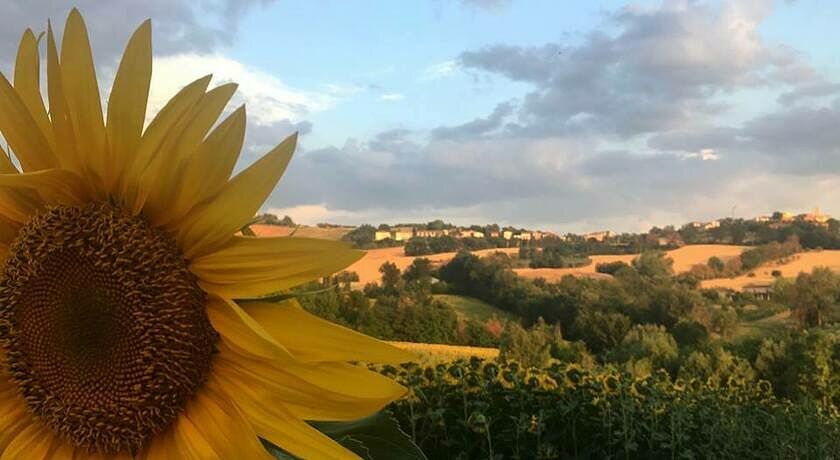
{"x": 716, "y": 264}
{"x": 647, "y": 342}
{"x": 392, "y": 282}
{"x": 601, "y": 331}
{"x": 815, "y": 296}
{"x": 287, "y": 221}
{"x": 653, "y": 264}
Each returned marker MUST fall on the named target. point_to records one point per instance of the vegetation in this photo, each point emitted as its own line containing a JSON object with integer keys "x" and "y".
{"x": 658, "y": 367}
{"x": 480, "y": 409}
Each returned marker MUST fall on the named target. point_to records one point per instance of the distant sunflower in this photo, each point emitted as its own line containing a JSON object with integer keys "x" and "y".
{"x": 119, "y": 329}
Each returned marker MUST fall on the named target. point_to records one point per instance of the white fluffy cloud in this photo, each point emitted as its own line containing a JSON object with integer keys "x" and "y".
{"x": 268, "y": 99}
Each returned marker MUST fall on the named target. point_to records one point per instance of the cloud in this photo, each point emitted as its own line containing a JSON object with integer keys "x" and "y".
{"x": 486, "y": 4}
{"x": 441, "y": 70}
{"x": 268, "y": 99}
{"x": 477, "y": 127}
{"x": 632, "y": 127}
{"x": 392, "y": 97}
{"x": 179, "y": 25}
{"x": 663, "y": 69}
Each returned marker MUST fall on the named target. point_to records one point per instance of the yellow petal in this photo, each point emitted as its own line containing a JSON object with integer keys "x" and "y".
{"x": 167, "y": 170}
{"x": 312, "y": 339}
{"x": 33, "y": 442}
{"x": 239, "y": 331}
{"x": 212, "y": 225}
{"x": 18, "y": 205}
{"x": 27, "y": 84}
{"x": 13, "y": 412}
{"x": 54, "y": 186}
{"x": 320, "y": 391}
{"x": 68, "y": 157}
{"x": 279, "y": 426}
{"x": 252, "y": 267}
{"x": 81, "y": 92}
{"x": 6, "y": 165}
{"x": 21, "y": 131}
{"x": 127, "y": 102}
{"x": 223, "y": 425}
{"x": 134, "y": 192}
{"x": 209, "y": 169}
{"x": 189, "y": 443}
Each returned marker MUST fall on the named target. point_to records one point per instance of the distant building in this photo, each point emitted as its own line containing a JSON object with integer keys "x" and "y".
{"x": 494, "y": 234}
{"x": 402, "y": 233}
{"x": 759, "y": 290}
{"x": 524, "y": 236}
{"x": 430, "y": 233}
{"x": 598, "y": 236}
{"x": 815, "y": 217}
{"x": 711, "y": 225}
{"x": 468, "y": 233}
{"x": 763, "y": 218}
{"x": 507, "y": 234}
{"x": 380, "y": 235}
{"x": 786, "y": 217}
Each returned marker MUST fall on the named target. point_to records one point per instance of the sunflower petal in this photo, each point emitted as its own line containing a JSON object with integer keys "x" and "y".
{"x": 280, "y": 426}
{"x": 54, "y": 186}
{"x": 6, "y": 165}
{"x": 223, "y": 425}
{"x": 82, "y": 93}
{"x": 209, "y": 169}
{"x": 306, "y": 389}
{"x": 27, "y": 84}
{"x": 252, "y": 267}
{"x": 68, "y": 158}
{"x": 312, "y": 339}
{"x": 135, "y": 191}
{"x": 242, "y": 333}
{"x": 167, "y": 168}
{"x": 127, "y": 102}
{"x": 213, "y": 224}
{"x": 33, "y": 442}
{"x": 189, "y": 442}
{"x": 21, "y": 131}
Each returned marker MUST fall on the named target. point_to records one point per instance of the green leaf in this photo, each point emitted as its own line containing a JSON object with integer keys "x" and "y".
{"x": 379, "y": 434}
{"x": 372, "y": 438}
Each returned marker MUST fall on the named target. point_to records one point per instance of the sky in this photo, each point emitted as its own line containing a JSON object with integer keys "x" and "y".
{"x": 566, "y": 116}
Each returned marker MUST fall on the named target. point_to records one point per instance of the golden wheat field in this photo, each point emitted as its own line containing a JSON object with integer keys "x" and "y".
{"x": 684, "y": 258}
{"x": 368, "y": 266}
{"x": 327, "y": 233}
{"x": 803, "y": 262}
{"x": 434, "y": 352}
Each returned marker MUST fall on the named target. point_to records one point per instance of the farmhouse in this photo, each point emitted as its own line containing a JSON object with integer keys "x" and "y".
{"x": 759, "y": 290}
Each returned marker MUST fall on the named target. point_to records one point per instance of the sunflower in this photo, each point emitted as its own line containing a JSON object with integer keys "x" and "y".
{"x": 122, "y": 327}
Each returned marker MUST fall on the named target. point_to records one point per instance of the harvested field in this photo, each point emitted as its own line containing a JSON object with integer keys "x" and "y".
{"x": 802, "y": 262}
{"x": 431, "y": 353}
{"x": 684, "y": 258}
{"x": 327, "y": 233}
{"x": 368, "y": 266}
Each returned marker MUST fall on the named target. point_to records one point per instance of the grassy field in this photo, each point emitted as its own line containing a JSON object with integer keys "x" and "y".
{"x": 472, "y": 308}
{"x": 433, "y": 353}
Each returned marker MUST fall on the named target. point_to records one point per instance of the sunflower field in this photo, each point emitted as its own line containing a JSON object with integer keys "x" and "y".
{"x": 489, "y": 409}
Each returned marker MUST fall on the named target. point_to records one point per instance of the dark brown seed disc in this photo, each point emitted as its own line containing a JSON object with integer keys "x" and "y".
{"x": 104, "y": 327}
